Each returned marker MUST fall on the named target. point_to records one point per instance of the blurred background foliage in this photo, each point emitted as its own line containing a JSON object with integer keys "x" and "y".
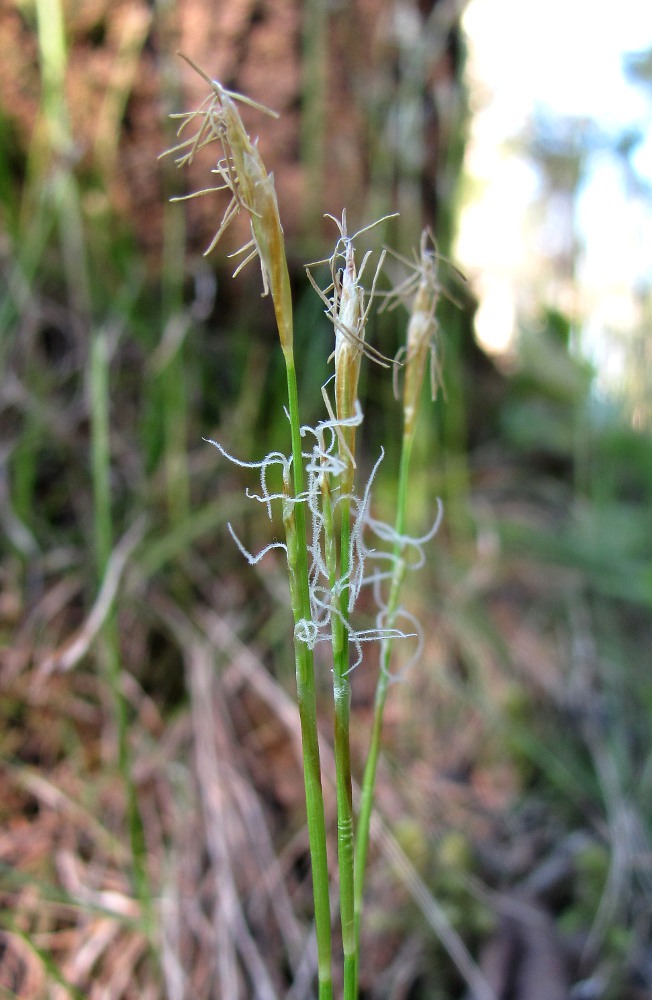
{"x": 152, "y": 840}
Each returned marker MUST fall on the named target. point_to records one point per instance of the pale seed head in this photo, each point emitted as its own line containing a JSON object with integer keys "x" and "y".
{"x": 243, "y": 173}
{"x": 421, "y": 333}
{"x": 349, "y": 339}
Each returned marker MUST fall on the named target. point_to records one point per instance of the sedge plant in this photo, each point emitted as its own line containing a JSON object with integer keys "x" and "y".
{"x": 333, "y": 545}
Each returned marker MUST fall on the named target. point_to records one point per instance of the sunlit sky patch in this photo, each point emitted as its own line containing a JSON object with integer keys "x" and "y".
{"x": 555, "y": 60}
{"x": 565, "y": 54}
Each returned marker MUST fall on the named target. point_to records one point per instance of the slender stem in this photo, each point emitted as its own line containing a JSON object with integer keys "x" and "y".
{"x": 100, "y": 449}
{"x": 64, "y": 197}
{"x": 110, "y": 650}
{"x": 313, "y": 106}
{"x": 369, "y": 779}
{"x": 173, "y": 388}
{"x": 173, "y": 376}
{"x": 342, "y": 700}
{"x": 345, "y": 833}
{"x": 295, "y": 529}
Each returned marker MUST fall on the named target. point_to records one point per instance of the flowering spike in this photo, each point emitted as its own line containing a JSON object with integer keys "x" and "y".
{"x": 243, "y": 173}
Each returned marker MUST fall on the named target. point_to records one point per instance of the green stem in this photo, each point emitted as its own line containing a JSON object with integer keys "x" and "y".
{"x": 55, "y": 149}
{"x": 173, "y": 376}
{"x": 100, "y": 450}
{"x": 313, "y": 107}
{"x": 295, "y": 530}
{"x": 103, "y": 522}
{"x": 342, "y": 701}
{"x": 369, "y": 779}
{"x": 345, "y": 834}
